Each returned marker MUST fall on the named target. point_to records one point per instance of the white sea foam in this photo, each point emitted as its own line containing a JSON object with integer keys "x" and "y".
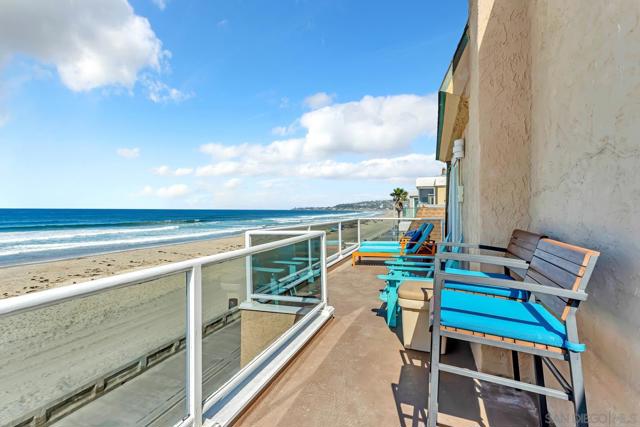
{"x": 313, "y": 218}
{"x": 23, "y": 237}
{"x": 31, "y": 248}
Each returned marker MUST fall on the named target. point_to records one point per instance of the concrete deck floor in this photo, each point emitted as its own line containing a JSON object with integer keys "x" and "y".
{"x": 356, "y": 372}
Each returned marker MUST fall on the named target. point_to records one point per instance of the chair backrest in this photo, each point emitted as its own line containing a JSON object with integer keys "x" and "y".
{"x": 416, "y": 233}
{"x": 561, "y": 265}
{"x": 522, "y": 245}
{"x": 423, "y": 238}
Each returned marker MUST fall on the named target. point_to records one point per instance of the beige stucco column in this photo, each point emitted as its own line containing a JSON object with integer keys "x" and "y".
{"x": 496, "y": 170}
{"x": 262, "y": 324}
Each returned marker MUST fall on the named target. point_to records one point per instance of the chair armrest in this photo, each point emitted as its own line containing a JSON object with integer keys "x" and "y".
{"x": 472, "y": 246}
{"x": 417, "y": 257}
{"x": 483, "y": 259}
{"x": 401, "y": 279}
{"x": 510, "y": 284}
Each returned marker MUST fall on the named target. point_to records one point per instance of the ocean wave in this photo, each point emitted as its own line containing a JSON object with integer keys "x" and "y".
{"x": 18, "y": 250}
{"x": 30, "y": 237}
{"x": 50, "y": 226}
{"x": 306, "y": 218}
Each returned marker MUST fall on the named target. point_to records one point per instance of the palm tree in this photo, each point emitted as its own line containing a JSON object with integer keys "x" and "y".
{"x": 399, "y": 196}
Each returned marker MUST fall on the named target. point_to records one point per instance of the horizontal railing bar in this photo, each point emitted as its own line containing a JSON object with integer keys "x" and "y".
{"x": 55, "y": 296}
{"x": 363, "y": 218}
{"x": 284, "y": 298}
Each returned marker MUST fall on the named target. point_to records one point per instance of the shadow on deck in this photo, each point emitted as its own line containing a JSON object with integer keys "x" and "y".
{"x": 356, "y": 372}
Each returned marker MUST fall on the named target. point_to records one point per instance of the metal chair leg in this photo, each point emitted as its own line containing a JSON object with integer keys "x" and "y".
{"x": 542, "y": 399}
{"x": 392, "y": 308}
{"x": 516, "y": 365}
{"x": 577, "y": 384}
{"x": 434, "y": 377}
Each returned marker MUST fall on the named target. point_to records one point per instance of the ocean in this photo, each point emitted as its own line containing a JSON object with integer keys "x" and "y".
{"x": 36, "y": 235}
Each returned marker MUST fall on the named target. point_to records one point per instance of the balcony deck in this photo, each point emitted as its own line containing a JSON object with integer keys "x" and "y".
{"x": 356, "y": 372}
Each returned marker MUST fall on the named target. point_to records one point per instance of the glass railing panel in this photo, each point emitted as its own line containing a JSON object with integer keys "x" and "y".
{"x": 292, "y": 270}
{"x": 116, "y": 358}
{"x": 349, "y": 233}
{"x": 376, "y": 229}
{"x": 223, "y": 290}
{"x": 286, "y": 284}
{"x": 333, "y": 246}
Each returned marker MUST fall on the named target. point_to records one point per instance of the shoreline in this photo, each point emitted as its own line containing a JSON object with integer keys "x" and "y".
{"x": 117, "y": 251}
{"x": 22, "y": 279}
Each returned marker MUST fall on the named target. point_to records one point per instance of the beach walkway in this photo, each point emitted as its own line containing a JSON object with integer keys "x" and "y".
{"x": 157, "y": 396}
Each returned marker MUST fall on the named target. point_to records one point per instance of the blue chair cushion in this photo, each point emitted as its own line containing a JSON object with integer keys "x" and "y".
{"x": 376, "y": 249}
{"x": 379, "y": 243}
{"x": 506, "y": 318}
{"x": 484, "y": 289}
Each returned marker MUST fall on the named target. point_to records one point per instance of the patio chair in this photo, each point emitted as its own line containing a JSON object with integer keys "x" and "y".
{"x": 521, "y": 246}
{"x": 410, "y": 236}
{"x": 422, "y": 245}
{"x": 544, "y": 326}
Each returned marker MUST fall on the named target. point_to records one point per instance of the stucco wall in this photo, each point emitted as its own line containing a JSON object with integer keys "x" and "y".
{"x": 553, "y": 145}
{"x": 496, "y": 166}
{"x": 585, "y": 176}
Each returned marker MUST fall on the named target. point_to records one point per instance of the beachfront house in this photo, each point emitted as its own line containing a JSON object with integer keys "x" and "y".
{"x": 537, "y": 115}
{"x": 430, "y": 192}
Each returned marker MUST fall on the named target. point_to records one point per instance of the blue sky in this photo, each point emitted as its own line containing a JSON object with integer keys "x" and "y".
{"x": 212, "y": 104}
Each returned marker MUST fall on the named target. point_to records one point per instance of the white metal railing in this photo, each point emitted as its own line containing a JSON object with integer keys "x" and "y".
{"x": 346, "y": 251}
{"x": 193, "y": 270}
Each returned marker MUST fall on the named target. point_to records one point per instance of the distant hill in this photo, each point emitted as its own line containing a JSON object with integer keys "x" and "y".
{"x": 370, "y": 205}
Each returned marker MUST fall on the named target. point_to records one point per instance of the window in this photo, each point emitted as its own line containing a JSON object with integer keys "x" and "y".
{"x": 427, "y": 195}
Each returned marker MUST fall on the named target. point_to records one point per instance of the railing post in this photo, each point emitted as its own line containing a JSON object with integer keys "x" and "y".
{"x": 248, "y": 266}
{"x": 340, "y": 239}
{"x": 309, "y": 252}
{"x": 323, "y": 267}
{"x": 358, "y": 231}
{"x": 194, "y": 344}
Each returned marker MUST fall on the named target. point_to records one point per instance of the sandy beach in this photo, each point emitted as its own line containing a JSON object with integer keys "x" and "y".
{"x": 22, "y": 279}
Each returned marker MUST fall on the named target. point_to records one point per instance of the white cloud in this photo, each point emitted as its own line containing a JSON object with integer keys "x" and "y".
{"x": 318, "y": 100}
{"x": 219, "y": 169}
{"x": 160, "y": 92}
{"x": 408, "y": 166}
{"x": 165, "y": 170}
{"x": 373, "y": 124}
{"x": 183, "y": 171}
{"x": 91, "y": 43}
{"x": 277, "y": 151}
{"x": 4, "y": 119}
{"x": 279, "y": 130}
{"x": 170, "y": 192}
{"x": 161, "y": 4}
{"x": 286, "y": 130}
{"x": 232, "y": 184}
{"x": 128, "y": 153}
